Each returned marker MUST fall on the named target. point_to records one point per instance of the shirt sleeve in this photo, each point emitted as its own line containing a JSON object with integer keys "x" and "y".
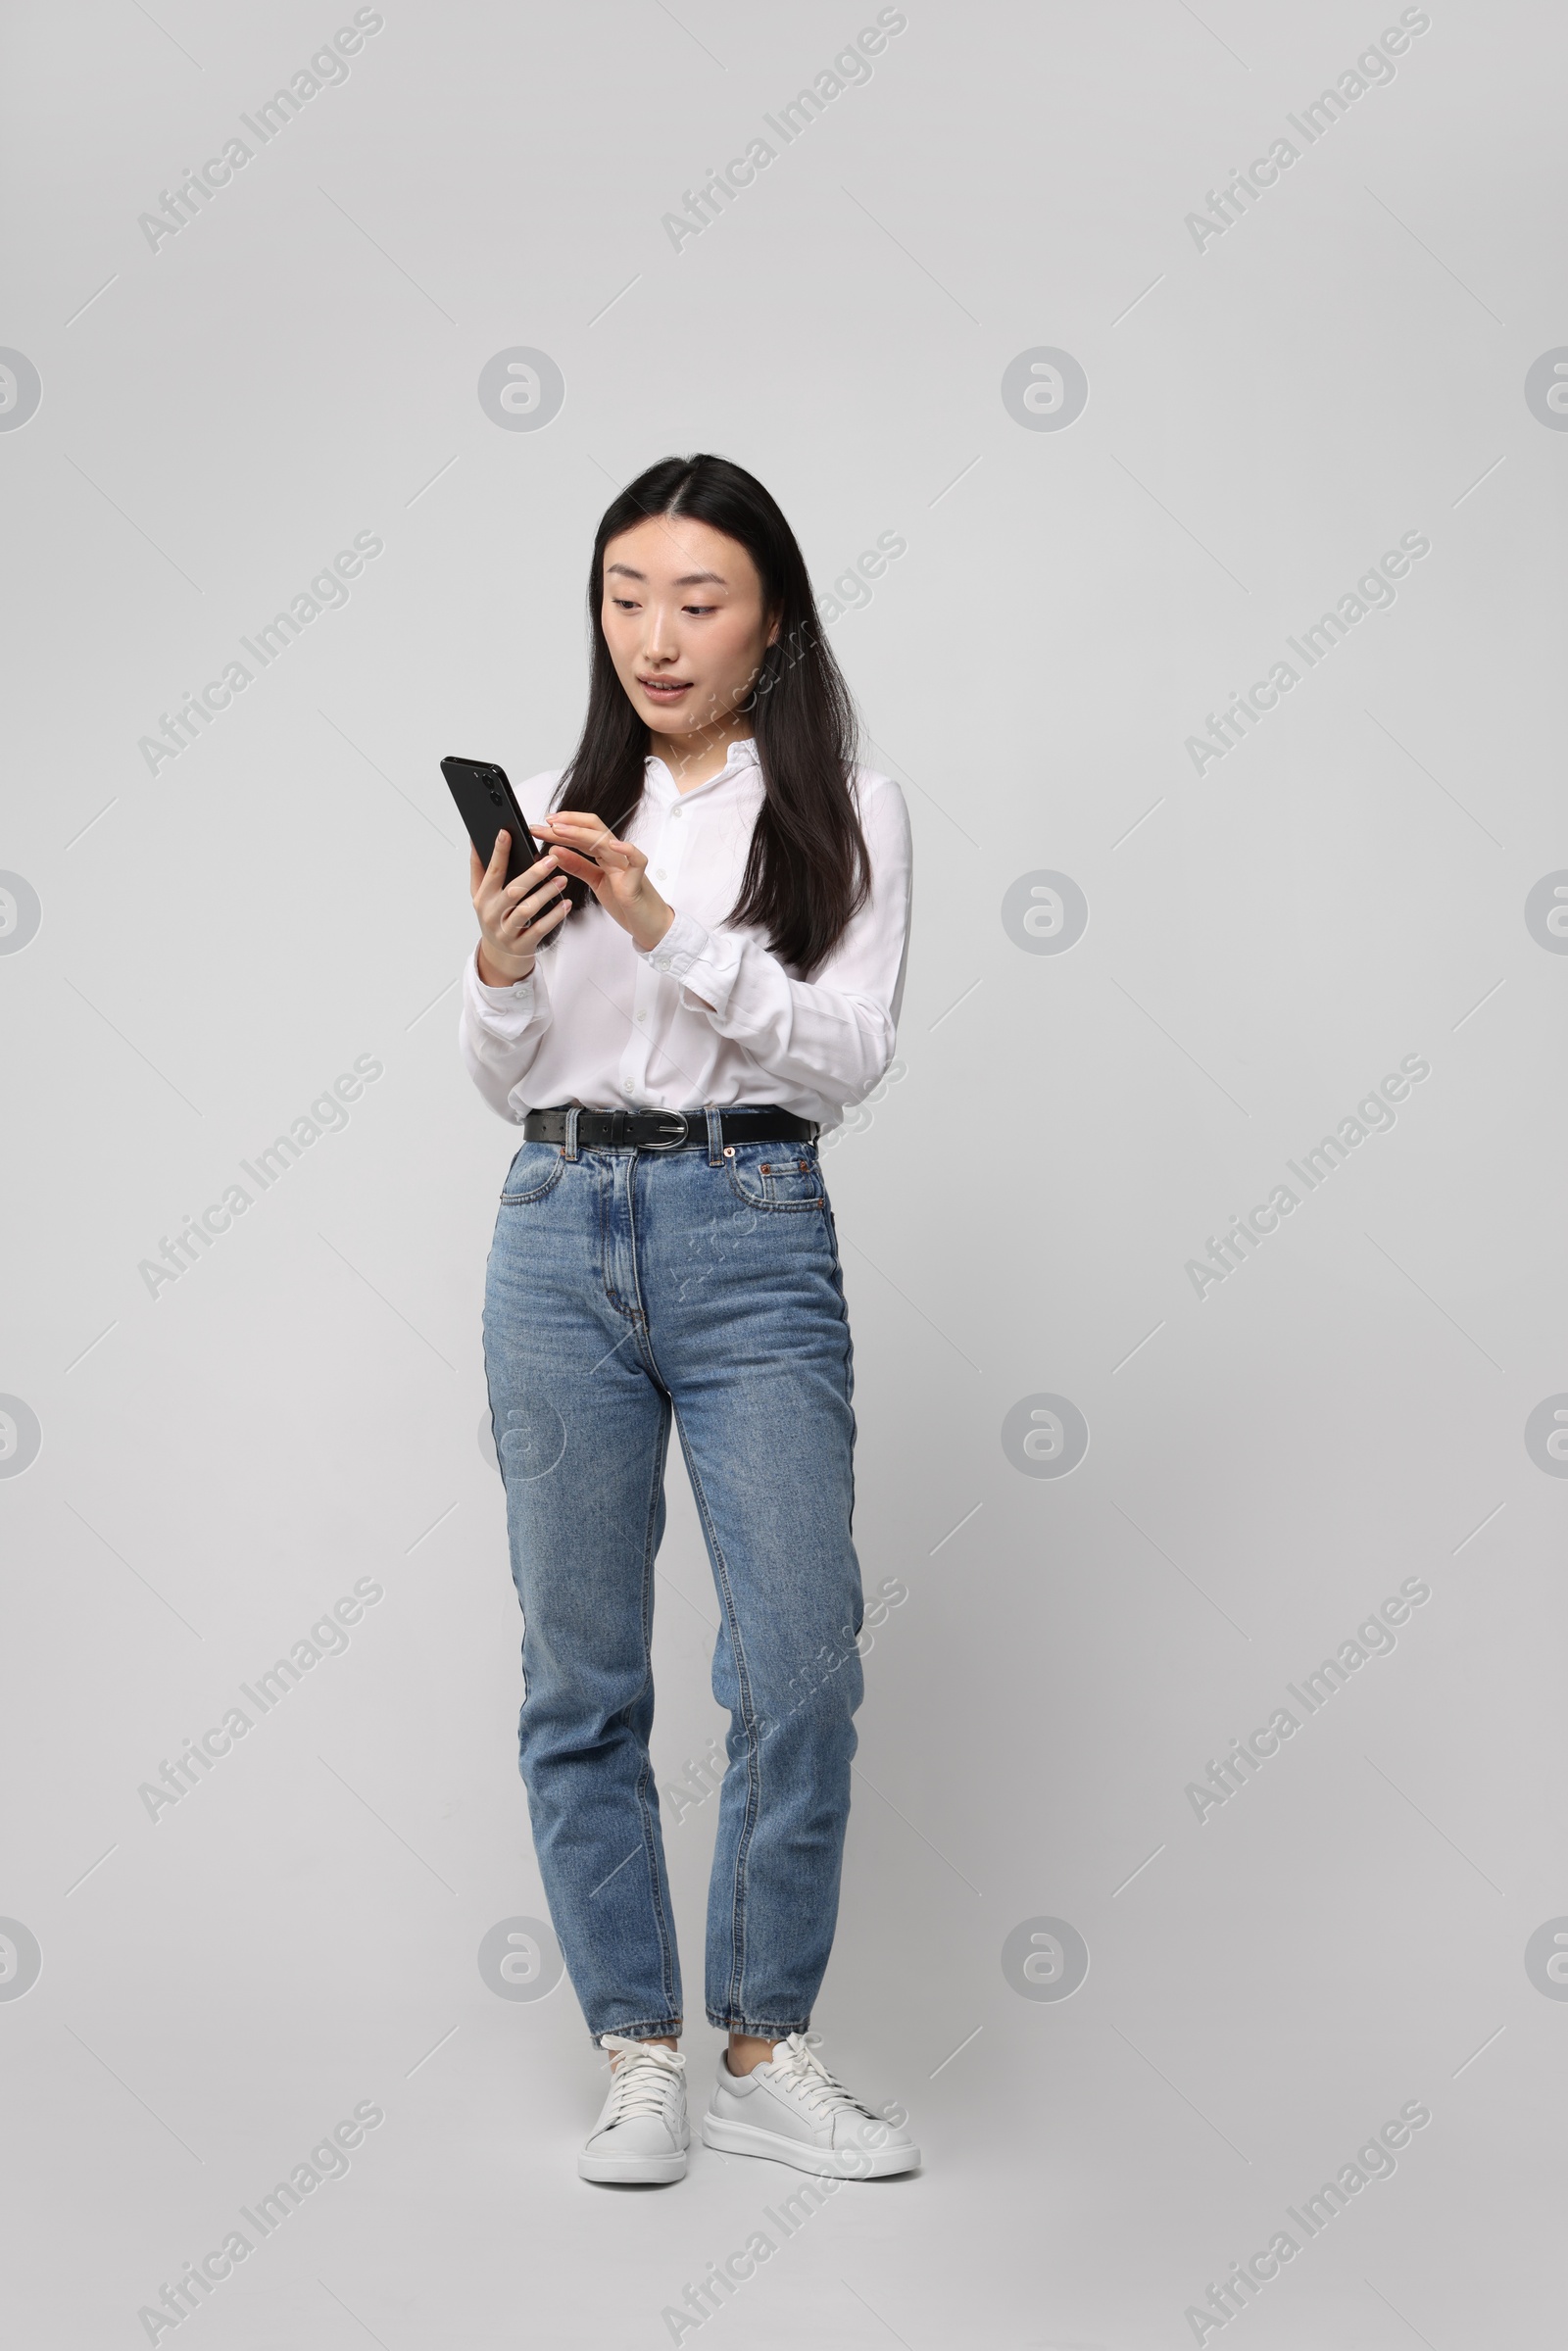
{"x": 499, "y": 1031}
{"x": 833, "y": 1034}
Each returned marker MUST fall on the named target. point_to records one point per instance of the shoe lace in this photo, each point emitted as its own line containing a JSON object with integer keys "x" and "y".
{"x": 798, "y": 2068}
{"x": 642, "y": 2079}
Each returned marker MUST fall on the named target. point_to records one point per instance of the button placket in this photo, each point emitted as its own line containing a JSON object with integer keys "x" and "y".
{"x": 667, "y": 851}
{"x": 635, "y": 1059}
{"x": 636, "y": 1055}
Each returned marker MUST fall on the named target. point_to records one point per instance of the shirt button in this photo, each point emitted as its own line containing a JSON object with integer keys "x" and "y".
{"x": 642, "y": 1016}
{"x": 662, "y": 963}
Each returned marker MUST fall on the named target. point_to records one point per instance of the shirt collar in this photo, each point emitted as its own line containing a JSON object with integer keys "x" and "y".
{"x": 742, "y": 754}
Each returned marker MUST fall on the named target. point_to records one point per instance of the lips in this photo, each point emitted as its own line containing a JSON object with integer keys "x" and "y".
{"x": 664, "y": 689}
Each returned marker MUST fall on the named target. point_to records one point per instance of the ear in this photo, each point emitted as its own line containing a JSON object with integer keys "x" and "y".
{"x": 775, "y": 625}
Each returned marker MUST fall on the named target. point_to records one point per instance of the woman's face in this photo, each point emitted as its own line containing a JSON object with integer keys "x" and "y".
{"x": 684, "y": 621}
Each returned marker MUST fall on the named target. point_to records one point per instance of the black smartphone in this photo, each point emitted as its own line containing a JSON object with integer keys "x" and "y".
{"x": 488, "y": 805}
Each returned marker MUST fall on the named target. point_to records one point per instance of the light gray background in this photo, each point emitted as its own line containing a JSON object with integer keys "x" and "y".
{"x": 220, "y": 940}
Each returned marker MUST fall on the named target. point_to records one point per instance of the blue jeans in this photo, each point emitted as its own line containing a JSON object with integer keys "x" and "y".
{"x": 627, "y": 1288}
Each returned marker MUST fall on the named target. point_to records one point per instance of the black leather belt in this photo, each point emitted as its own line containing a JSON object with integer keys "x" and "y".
{"x": 667, "y": 1130}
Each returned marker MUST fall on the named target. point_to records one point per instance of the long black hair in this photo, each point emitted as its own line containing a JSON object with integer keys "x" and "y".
{"x": 808, "y": 871}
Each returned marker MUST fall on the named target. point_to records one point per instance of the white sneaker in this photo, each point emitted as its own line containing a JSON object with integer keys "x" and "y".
{"x": 642, "y": 2133}
{"x": 792, "y": 2109}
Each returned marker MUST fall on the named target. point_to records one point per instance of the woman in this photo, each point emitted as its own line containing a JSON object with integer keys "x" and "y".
{"x": 703, "y": 968}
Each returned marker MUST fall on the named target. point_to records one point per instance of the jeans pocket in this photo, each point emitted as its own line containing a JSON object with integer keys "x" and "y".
{"x": 776, "y": 1175}
{"x": 537, "y": 1168}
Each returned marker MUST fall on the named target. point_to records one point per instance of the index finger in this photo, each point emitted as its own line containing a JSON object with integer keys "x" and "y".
{"x": 581, "y": 820}
{"x": 572, "y": 817}
{"x": 496, "y": 870}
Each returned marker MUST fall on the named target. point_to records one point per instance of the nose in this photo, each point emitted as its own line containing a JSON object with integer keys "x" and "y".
{"x": 659, "y": 648}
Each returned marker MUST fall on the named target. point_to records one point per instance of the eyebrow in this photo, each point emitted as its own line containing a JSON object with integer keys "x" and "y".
{"x": 688, "y": 579}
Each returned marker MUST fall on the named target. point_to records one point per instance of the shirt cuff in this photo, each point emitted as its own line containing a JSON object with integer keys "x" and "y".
{"x": 503, "y": 1011}
{"x": 693, "y": 958}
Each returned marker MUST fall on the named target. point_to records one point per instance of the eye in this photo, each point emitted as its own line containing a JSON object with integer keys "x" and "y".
{"x": 699, "y": 608}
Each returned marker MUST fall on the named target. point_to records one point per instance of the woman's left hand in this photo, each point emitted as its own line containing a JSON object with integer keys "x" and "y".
{"x": 614, "y": 871}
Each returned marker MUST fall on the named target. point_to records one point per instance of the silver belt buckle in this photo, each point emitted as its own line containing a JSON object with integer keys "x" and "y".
{"x": 681, "y": 1120}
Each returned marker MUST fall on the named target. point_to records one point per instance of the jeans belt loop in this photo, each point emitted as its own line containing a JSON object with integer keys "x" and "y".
{"x": 569, "y": 1148}
{"x": 716, "y": 1137}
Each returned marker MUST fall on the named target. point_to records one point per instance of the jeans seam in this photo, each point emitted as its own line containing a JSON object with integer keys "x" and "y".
{"x": 754, "y": 1789}
{"x": 849, "y": 1352}
{"x": 653, "y": 1840}
{"x": 639, "y": 1322}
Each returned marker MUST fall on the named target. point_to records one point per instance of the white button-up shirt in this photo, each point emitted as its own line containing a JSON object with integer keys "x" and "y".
{"x": 600, "y": 1024}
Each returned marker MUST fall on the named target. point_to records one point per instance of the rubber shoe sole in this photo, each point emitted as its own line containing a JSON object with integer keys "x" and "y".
{"x": 656, "y": 2171}
{"x": 824, "y": 2163}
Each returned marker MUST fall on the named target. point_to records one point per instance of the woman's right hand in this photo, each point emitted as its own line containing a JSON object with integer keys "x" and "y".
{"x": 513, "y": 916}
